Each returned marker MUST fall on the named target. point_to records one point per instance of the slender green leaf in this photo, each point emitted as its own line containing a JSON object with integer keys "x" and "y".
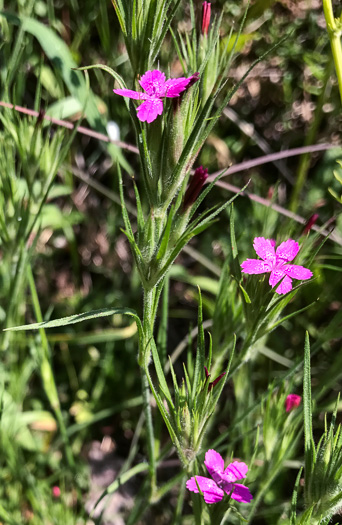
{"x": 294, "y": 499}
{"x": 166, "y": 235}
{"x": 79, "y": 318}
{"x": 160, "y": 373}
{"x": 108, "y": 69}
{"x": 200, "y": 352}
{"x": 308, "y": 437}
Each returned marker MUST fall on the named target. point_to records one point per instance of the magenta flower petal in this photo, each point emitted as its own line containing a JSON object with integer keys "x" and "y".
{"x": 285, "y": 286}
{"x": 276, "y": 275}
{"x": 224, "y": 480}
{"x": 264, "y": 248}
{"x": 275, "y": 262}
{"x": 297, "y": 272}
{"x": 236, "y": 470}
{"x": 241, "y": 493}
{"x": 174, "y": 86}
{"x": 149, "y": 110}
{"x": 252, "y": 266}
{"x": 287, "y": 250}
{"x": 152, "y": 82}
{"x": 211, "y": 492}
{"x": 214, "y": 463}
{"x": 292, "y": 401}
{"x": 137, "y": 95}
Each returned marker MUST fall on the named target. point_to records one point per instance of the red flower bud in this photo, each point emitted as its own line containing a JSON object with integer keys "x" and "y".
{"x": 206, "y": 11}
{"x": 213, "y": 383}
{"x": 292, "y": 401}
{"x": 195, "y": 186}
{"x": 310, "y": 223}
{"x": 193, "y": 79}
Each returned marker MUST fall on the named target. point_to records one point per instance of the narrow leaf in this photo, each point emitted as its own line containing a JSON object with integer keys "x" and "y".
{"x": 200, "y": 353}
{"x": 294, "y": 499}
{"x": 308, "y": 437}
{"x": 79, "y": 318}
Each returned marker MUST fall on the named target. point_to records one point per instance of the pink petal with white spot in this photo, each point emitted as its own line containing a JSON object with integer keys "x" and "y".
{"x": 276, "y": 276}
{"x": 287, "y": 250}
{"x": 236, "y": 470}
{"x": 252, "y": 266}
{"x": 174, "y": 86}
{"x": 211, "y": 492}
{"x": 297, "y": 272}
{"x": 241, "y": 493}
{"x": 153, "y": 82}
{"x": 265, "y": 248}
{"x": 150, "y": 109}
{"x": 136, "y": 95}
{"x": 285, "y": 286}
{"x": 214, "y": 463}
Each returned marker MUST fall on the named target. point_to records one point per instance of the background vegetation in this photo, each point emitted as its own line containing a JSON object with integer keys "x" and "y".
{"x": 62, "y": 252}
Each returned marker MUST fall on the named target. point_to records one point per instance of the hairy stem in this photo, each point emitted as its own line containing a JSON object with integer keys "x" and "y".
{"x": 148, "y": 322}
{"x": 334, "y": 30}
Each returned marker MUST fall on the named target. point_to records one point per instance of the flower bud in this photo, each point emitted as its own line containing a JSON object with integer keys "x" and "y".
{"x": 309, "y": 224}
{"x": 56, "y": 491}
{"x": 212, "y": 383}
{"x": 206, "y": 11}
{"x": 186, "y": 425}
{"x": 193, "y": 79}
{"x": 292, "y": 401}
{"x": 196, "y": 184}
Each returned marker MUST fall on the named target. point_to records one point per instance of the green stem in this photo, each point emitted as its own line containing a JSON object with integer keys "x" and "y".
{"x": 16, "y": 285}
{"x": 148, "y": 322}
{"x": 149, "y": 431}
{"x": 304, "y": 163}
{"x": 334, "y": 32}
{"x": 46, "y": 371}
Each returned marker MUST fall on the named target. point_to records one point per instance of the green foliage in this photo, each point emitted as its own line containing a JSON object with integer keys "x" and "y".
{"x": 80, "y": 240}
{"x": 338, "y": 177}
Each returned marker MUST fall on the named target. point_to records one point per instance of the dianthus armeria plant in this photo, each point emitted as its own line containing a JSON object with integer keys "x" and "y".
{"x": 172, "y": 115}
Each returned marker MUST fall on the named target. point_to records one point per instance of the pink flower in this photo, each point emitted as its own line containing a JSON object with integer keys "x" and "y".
{"x": 223, "y": 480}
{"x": 153, "y": 82}
{"x": 275, "y": 263}
{"x": 206, "y": 11}
{"x": 56, "y": 491}
{"x": 292, "y": 401}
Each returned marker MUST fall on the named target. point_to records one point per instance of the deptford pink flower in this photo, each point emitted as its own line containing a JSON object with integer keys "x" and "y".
{"x": 196, "y": 183}
{"x": 223, "y": 480}
{"x": 206, "y": 11}
{"x": 275, "y": 262}
{"x": 292, "y": 401}
{"x": 157, "y": 88}
{"x": 56, "y": 491}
